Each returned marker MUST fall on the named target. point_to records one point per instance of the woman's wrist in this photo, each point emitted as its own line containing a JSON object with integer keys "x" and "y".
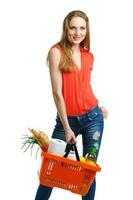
{"x": 67, "y": 129}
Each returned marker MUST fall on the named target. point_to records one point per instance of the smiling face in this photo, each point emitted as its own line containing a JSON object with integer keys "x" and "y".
{"x": 76, "y": 30}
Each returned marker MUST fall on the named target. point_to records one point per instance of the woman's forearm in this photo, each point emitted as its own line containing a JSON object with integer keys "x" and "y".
{"x": 60, "y": 105}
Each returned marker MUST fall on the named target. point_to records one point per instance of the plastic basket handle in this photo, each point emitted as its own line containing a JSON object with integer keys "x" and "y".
{"x": 71, "y": 147}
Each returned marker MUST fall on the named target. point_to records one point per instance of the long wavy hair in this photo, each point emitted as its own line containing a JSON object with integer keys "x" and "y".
{"x": 66, "y": 63}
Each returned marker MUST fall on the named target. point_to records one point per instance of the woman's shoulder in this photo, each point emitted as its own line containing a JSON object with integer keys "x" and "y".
{"x": 54, "y": 54}
{"x": 55, "y": 49}
{"x": 56, "y": 46}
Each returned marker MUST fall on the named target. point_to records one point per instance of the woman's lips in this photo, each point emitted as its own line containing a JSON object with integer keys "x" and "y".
{"x": 76, "y": 38}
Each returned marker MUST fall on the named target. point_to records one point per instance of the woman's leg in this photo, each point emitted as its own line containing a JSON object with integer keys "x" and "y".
{"x": 92, "y": 129}
{"x": 59, "y": 132}
{"x": 91, "y": 194}
{"x": 43, "y": 193}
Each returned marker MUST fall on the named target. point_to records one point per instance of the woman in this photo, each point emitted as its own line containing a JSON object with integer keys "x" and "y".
{"x": 70, "y": 65}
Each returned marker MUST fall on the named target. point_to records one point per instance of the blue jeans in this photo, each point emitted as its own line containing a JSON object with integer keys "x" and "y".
{"x": 90, "y": 126}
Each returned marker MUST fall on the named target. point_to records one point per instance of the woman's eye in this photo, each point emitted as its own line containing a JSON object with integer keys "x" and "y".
{"x": 72, "y": 27}
{"x": 82, "y": 28}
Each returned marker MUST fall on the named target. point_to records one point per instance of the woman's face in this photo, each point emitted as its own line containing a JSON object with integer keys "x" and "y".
{"x": 76, "y": 30}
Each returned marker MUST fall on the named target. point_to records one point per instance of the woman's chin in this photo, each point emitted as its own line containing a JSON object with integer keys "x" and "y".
{"x": 76, "y": 42}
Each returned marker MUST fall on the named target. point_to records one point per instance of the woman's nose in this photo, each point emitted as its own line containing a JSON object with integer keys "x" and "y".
{"x": 77, "y": 32}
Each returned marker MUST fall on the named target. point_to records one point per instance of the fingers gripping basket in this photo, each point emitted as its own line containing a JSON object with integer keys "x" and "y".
{"x": 67, "y": 174}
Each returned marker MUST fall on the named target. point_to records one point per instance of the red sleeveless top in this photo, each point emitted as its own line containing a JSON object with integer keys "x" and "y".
{"x": 76, "y": 87}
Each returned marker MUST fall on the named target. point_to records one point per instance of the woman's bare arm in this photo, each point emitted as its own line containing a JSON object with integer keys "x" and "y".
{"x": 56, "y": 82}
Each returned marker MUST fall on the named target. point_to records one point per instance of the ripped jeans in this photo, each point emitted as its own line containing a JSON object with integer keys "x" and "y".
{"x": 90, "y": 126}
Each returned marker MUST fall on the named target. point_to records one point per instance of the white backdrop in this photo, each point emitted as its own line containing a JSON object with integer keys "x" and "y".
{"x": 28, "y": 28}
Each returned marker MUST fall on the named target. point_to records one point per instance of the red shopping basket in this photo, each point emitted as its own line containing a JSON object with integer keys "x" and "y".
{"x": 67, "y": 174}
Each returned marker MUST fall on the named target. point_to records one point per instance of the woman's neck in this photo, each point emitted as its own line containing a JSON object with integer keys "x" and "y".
{"x": 76, "y": 48}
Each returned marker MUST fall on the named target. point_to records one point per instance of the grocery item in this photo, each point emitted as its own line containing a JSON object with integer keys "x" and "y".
{"x": 82, "y": 159}
{"x": 38, "y": 137}
{"x": 90, "y": 157}
{"x": 42, "y": 139}
{"x": 57, "y": 146}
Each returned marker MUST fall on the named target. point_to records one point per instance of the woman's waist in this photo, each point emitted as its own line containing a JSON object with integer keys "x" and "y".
{"x": 77, "y": 110}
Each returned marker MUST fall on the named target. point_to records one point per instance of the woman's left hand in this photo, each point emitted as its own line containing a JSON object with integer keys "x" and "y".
{"x": 104, "y": 111}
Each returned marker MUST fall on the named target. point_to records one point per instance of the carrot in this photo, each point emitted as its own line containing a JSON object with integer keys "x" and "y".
{"x": 41, "y": 138}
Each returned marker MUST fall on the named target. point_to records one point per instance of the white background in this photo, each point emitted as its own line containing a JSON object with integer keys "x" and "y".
{"x": 28, "y": 28}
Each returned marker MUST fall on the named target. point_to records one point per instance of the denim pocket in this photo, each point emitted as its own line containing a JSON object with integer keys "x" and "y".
{"x": 95, "y": 114}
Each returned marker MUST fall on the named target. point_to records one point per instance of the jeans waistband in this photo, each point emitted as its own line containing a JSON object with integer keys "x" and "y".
{"x": 86, "y": 113}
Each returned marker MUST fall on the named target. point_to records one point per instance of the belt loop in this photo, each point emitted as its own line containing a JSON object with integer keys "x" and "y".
{"x": 78, "y": 118}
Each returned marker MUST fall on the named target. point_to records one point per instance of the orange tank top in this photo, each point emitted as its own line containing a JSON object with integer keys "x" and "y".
{"x": 76, "y": 87}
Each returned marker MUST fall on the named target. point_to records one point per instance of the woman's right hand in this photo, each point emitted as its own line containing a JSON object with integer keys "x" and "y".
{"x": 70, "y": 136}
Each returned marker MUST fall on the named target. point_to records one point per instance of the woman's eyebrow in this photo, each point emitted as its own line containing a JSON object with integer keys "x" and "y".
{"x": 76, "y": 26}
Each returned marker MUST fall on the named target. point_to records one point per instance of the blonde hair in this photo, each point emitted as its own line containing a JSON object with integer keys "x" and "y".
{"x": 66, "y": 63}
